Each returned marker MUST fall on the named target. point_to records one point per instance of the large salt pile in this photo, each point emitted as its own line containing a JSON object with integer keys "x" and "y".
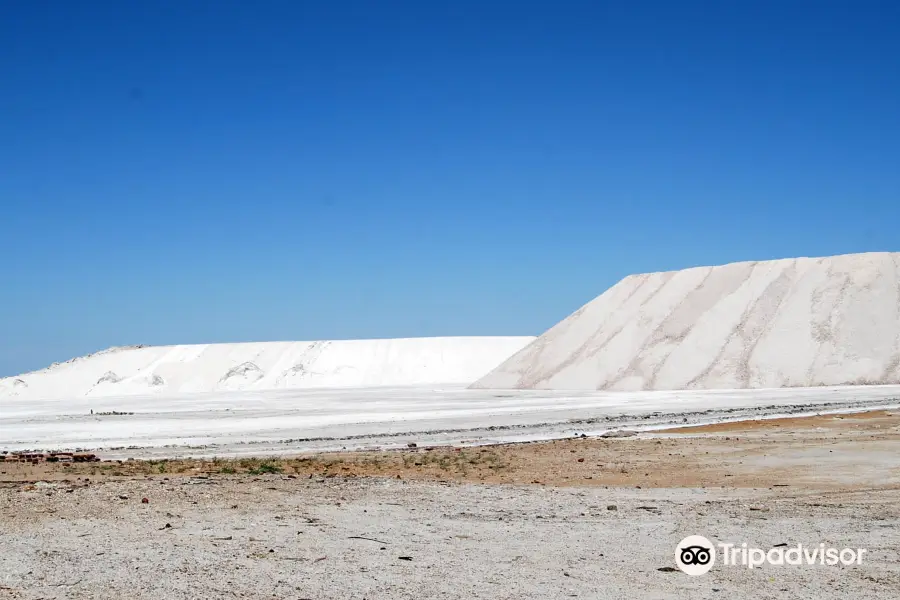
{"x": 267, "y": 365}
{"x": 782, "y": 323}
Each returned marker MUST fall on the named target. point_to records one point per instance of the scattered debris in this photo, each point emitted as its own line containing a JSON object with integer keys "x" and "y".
{"x": 36, "y": 457}
{"x": 359, "y": 537}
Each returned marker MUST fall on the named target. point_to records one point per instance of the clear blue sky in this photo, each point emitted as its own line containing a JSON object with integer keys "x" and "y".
{"x": 182, "y": 171}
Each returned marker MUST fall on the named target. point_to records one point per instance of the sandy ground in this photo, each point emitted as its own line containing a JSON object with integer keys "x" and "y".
{"x": 517, "y": 521}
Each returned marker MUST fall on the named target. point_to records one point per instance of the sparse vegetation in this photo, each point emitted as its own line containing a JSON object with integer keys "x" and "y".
{"x": 266, "y": 467}
{"x": 562, "y": 462}
{"x": 421, "y": 462}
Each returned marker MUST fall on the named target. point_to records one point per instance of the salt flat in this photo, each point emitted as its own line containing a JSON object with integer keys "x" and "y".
{"x": 783, "y": 323}
{"x": 286, "y": 421}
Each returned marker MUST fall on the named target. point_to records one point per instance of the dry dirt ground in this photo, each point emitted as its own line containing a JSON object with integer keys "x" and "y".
{"x": 585, "y": 518}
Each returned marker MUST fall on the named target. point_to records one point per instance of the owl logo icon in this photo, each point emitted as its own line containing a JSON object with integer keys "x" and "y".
{"x": 695, "y": 555}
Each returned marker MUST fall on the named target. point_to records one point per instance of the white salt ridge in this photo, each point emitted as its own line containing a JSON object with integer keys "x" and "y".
{"x": 160, "y": 370}
{"x": 801, "y": 322}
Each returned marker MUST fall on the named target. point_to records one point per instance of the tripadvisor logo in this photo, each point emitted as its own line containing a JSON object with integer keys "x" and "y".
{"x": 696, "y": 555}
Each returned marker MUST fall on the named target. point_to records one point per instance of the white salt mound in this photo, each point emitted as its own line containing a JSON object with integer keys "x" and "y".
{"x": 784, "y": 323}
{"x": 242, "y": 376}
{"x": 139, "y": 370}
{"x": 12, "y": 386}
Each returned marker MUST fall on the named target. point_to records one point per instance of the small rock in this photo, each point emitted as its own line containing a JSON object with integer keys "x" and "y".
{"x": 622, "y": 433}
{"x": 612, "y": 507}
{"x": 145, "y": 501}
{"x": 580, "y": 460}
{"x": 411, "y": 445}
{"x": 123, "y": 496}
{"x": 667, "y": 569}
{"x": 405, "y": 557}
